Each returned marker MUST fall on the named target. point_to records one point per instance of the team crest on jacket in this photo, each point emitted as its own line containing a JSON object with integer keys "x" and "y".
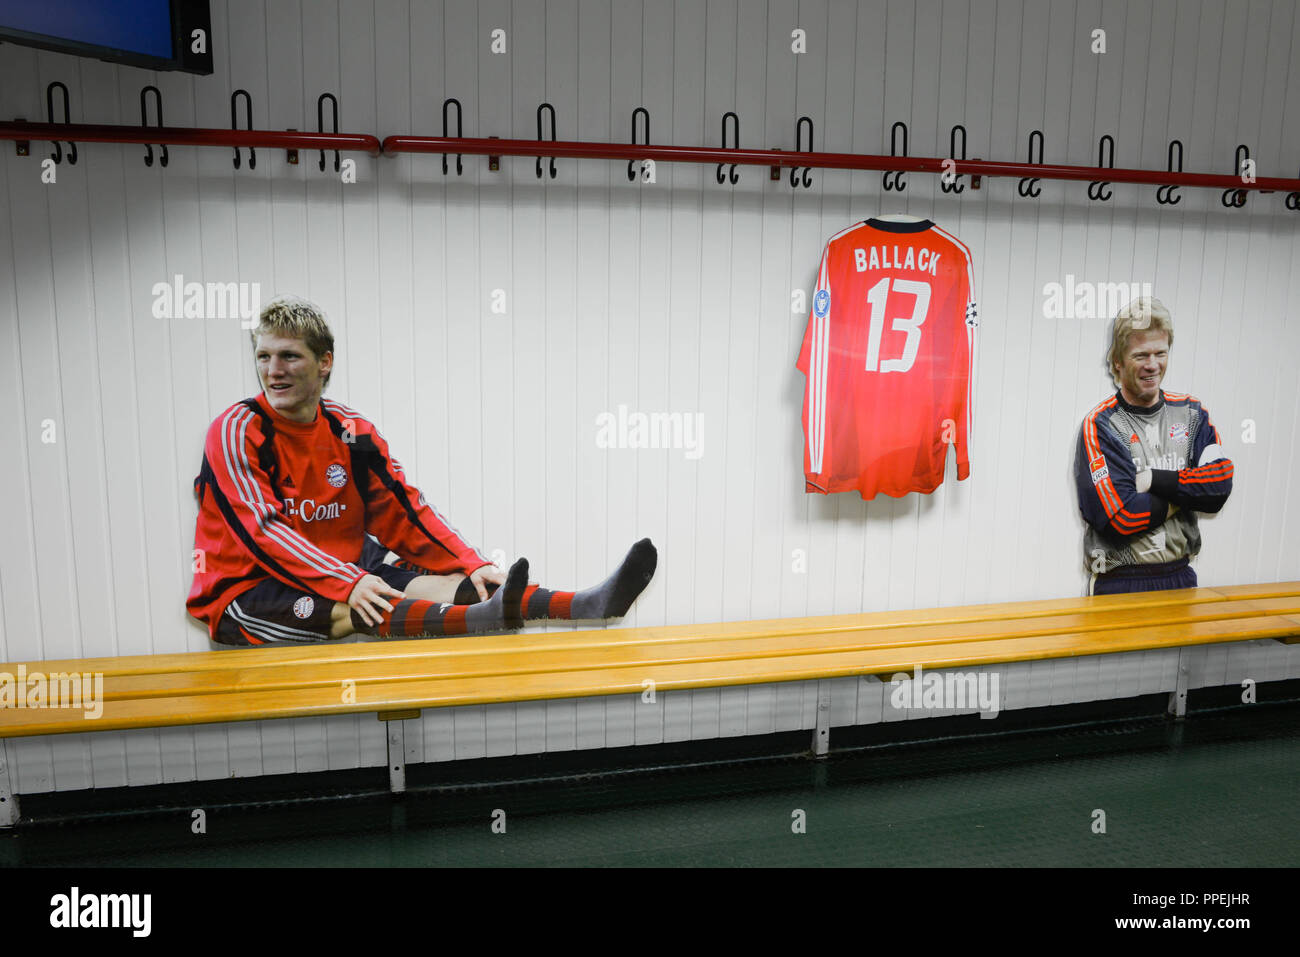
{"x": 336, "y": 475}
{"x": 1178, "y": 430}
{"x": 822, "y": 304}
{"x": 304, "y": 606}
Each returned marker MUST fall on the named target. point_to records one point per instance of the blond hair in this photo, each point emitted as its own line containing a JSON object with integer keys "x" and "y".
{"x": 296, "y": 318}
{"x": 1142, "y": 314}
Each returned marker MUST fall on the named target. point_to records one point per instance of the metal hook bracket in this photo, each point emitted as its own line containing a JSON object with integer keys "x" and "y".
{"x": 1236, "y": 198}
{"x": 459, "y": 133}
{"x": 1028, "y": 186}
{"x": 956, "y": 186}
{"x": 631, "y": 176}
{"x": 893, "y": 179}
{"x": 248, "y": 124}
{"x": 540, "y": 110}
{"x": 735, "y": 128}
{"x": 1165, "y": 194}
{"x": 320, "y": 124}
{"x": 1098, "y": 190}
{"x": 57, "y": 155}
{"x": 806, "y": 178}
{"x": 144, "y": 121}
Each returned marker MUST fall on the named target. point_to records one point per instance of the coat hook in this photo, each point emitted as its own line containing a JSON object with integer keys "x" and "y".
{"x": 806, "y": 179}
{"x": 956, "y": 186}
{"x": 631, "y": 176}
{"x": 459, "y": 133}
{"x": 320, "y": 124}
{"x": 248, "y": 124}
{"x": 545, "y": 106}
{"x": 57, "y": 155}
{"x": 144, "y": 121}
{"x": 1236, "y": 198}
{"x": 1028, "y": 186}
{"x": 1293, "y": 201}
{"x": 735, "y": 128}
{"x": 1165, "y": 194}
{"x": 1097, "y": 188}
{"x": 897, "y": 182}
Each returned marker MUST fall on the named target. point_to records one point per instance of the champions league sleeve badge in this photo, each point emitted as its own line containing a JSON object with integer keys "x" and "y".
{"x": 822, "y": 303}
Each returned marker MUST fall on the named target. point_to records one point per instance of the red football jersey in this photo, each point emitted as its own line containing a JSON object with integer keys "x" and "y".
{"x": 888, "y": 353}
{"x": 294, "y": 501}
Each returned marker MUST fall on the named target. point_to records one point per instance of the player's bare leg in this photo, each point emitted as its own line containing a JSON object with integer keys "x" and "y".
{"x": 434, "y": 587}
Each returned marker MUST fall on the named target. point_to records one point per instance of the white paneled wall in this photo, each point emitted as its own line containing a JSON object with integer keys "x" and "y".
{"x": 667, "y": 297}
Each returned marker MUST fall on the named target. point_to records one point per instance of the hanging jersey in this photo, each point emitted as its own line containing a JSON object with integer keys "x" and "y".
{"x": 888, "y": 354}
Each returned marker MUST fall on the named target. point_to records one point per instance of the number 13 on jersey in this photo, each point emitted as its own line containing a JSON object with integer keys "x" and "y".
{"x": 876, "y": 298}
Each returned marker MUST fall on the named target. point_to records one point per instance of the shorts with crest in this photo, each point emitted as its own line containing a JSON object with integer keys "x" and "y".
{"x": 273, "y": 613}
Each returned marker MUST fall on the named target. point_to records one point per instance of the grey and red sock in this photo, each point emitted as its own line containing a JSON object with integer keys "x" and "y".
{"x": 416, "y": 618}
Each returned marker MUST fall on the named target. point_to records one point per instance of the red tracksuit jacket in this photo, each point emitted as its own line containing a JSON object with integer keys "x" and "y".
{"x": 291, "y": 501}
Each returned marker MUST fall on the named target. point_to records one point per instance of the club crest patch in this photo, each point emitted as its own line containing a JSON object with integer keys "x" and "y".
{"x": 304, "y": 606}
{"x": 1178, "y": 430}
{"x": 822, "y": 304}
{"x": 336, "y": 475}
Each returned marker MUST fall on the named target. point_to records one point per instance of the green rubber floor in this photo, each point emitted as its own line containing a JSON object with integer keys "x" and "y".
{"x": 1217, "y": 790}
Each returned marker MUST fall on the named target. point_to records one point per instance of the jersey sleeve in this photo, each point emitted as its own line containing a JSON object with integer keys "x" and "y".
{"x": 1205, "y": 486}
{"x": 245, "y": 498}
{"x": 823, "y": 289}
{"x": 398, "y": 515}
{"x": 970, "y": 322}
{"x": 1106, "y": 481}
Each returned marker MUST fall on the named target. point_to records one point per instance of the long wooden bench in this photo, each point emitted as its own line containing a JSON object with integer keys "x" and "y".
{"x": 397, "y": 679}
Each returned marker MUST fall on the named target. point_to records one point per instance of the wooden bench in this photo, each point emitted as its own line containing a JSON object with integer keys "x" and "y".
{"x": 397, "y": 679}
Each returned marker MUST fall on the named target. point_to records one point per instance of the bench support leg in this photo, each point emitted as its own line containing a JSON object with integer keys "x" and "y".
{"x": 396, "y": 756}
{"x": 1178, "y": 697}
{"x": 8, "y": 803}
{"x": 822, "y": 733}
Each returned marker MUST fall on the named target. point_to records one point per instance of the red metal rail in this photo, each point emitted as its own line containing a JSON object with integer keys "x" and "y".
{"x": 782, "y": 158}
{"x": 285, "y": 139}
{"x": 364, "y": 142}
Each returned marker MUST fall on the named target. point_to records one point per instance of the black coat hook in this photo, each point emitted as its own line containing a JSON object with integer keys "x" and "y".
{"x": 806, "y": 179}
{"x": 896, "y": 183}
{"x": 1236, "y": 198}
{"x": 1028, "y": 186}
{"x": 1165, "y": 194}
{"x": 631, "y": 176}
{"x": 248, "y": 124}
{"x": 1097, "y": 189}
{"x": 1293, "y": 201}
{"x": 735, "y": 128}
{"x": 545, "y": 106}
{"x": 320, "y": 124}
{"x": 144, "y": 121}
{"x": 956, "y": 186}
{"x": 445, "y": 104}
{"x": 57, "y": 155}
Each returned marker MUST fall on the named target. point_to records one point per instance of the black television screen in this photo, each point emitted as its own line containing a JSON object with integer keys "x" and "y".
{"x": 150, "y": 33}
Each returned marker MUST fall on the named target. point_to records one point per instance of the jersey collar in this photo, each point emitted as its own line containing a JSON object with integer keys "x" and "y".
{"x": 888, "y": 227}
{"x": 289, "y": 425}
{"x": 1137, "y": 409}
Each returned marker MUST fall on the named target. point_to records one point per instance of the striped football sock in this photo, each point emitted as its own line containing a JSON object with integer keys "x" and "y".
{"x": 610, "y": 599}
{"x": 416, "y": 618}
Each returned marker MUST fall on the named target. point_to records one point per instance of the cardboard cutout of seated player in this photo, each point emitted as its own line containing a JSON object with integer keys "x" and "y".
{"x": 291, "y": 485}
